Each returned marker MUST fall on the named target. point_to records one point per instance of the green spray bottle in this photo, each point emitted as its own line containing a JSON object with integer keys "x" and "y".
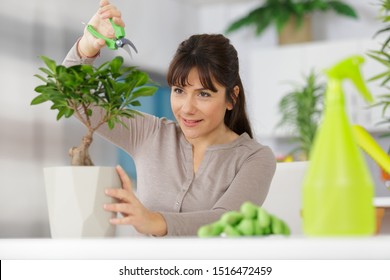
{"x": 338, "y": 188}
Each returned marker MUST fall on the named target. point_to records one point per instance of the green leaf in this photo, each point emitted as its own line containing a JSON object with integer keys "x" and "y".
{"x": 257, "y": 17}
{"x": 39, "y": 99}
{"x": 135, "y": 103}
{"x": 111, "y": 123}
{"x": 132, "y": 112}
{"x": 51, "y": 64}
{"x": 141, "y": 78}
{"x": 41, "y": 78}
{"x": 144, "y": 91}
{"x": 116, "y": 64}
{"x": 281, "y": 20}
{"x": 68, "y": 112}
{"x": 342, "y": 9}
{"x": 47, "y": 72}
{"x": 88, "y": 69}
{"x": 61, "y": 113}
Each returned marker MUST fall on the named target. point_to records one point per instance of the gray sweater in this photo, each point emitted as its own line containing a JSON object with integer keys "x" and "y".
{"x": 229, "y": 174}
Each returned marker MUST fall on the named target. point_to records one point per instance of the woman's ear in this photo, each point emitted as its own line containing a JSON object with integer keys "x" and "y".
{"x": 234, "y": 96}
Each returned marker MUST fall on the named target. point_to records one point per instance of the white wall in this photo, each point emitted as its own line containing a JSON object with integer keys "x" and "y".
{"x": 30, "y": 137}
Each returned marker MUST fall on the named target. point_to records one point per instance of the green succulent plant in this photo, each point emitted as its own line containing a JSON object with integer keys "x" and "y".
{"x": 278, "y": 12}
{"x": 78, "y": 89}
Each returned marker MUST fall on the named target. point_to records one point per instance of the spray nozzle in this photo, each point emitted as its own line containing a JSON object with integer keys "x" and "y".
{"x": 349, "y": 68}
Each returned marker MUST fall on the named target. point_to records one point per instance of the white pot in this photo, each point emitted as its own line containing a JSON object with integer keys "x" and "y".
{"x": 284, "y": 196}
{"x": 75, "y": 199}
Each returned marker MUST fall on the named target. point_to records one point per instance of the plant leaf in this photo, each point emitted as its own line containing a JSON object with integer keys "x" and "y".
{"x": 51, "y": 64}
{"x": 342, "y": 9}
{"x": 144, "y": 91}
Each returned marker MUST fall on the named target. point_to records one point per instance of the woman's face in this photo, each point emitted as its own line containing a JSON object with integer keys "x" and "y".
{"x": 199, "y": 111}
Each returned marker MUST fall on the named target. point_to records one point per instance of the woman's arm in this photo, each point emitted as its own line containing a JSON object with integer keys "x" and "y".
{"x": 88, "y": 47}
{"x": 85, "y": 51}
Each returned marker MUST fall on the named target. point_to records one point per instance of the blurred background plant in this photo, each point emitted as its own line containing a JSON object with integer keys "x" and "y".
{"x": 301, "y": 110}
{"x": 383, "y": 57}
{"x": 280, "y": 12}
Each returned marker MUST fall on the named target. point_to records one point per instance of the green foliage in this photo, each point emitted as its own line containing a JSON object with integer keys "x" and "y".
{"x": 77, "y": 89}
{"x": 301, "y": 110}
{"x": 278, "y": 12}
{"x": 383, "y": 57}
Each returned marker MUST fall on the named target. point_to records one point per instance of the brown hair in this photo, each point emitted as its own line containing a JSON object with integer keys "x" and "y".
{"x": 215, "y": 58}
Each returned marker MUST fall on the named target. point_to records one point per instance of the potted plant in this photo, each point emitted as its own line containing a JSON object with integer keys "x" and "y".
{"x": 383, "y": 57}
{"x": 301, "y": 110}
{"x": 291, "y": 17}
{"x": 75, "y": 194}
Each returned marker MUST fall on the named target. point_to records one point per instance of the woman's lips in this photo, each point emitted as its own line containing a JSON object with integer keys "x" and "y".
{"x": 190, "y": 123}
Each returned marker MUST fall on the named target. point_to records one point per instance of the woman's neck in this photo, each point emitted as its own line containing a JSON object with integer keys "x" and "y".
{"x": 222, "y": 137}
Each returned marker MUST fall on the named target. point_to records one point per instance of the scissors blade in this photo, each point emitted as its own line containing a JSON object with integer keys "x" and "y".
{"x": 128, "y": 50}
{"x": 128, "y": 42}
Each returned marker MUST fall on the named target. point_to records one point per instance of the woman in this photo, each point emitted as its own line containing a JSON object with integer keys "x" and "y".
{"x": 193, "y": 170}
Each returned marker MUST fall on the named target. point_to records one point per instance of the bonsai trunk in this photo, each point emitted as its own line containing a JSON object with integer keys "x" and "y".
{"x": 80, "y": 155}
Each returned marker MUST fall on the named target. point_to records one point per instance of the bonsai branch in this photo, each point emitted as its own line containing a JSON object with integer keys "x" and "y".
{"x": 80, "y": 154}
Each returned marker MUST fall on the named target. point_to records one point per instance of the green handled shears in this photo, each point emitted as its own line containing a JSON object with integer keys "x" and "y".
{"x": 118, "y": 42}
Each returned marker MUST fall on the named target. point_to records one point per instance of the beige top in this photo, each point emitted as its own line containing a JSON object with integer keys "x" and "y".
{"x": 228, "y": 175}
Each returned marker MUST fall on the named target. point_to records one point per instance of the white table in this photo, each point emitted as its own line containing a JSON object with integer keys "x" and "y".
{"x": 272, "y": 247}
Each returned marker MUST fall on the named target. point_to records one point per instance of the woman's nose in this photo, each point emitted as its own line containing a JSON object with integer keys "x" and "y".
{"x": 189, "y": 105}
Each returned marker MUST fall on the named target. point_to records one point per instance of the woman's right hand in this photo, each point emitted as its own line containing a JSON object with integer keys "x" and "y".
{"x": 89, "y": 46}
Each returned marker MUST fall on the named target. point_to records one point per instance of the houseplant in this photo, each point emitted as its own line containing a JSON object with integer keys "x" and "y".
{"x": 111, "y": 90}
{"x": 289, "y": 16}
{"x": 300, "y": 111}
{"x": 382, "y": 55}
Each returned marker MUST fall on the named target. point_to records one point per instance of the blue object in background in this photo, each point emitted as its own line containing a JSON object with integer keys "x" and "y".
{"x": 158, "y": 105}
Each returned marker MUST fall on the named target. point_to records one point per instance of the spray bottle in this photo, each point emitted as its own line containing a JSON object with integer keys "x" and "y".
{"x": 338, "y": 188}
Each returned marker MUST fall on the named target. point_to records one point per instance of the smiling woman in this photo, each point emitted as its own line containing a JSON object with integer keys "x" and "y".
{"x": 213, "y": 61}
{"x": 191, "y": 171}
{"x": 200, "y": 112}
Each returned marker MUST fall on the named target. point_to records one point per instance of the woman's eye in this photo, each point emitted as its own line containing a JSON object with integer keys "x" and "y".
{"x": 204, "y": 94}
{"x": 178, "y": 90}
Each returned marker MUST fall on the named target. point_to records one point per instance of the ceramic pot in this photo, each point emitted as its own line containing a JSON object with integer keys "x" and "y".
{"x": 291, "y": 34}
{"x": 75, "y": 199}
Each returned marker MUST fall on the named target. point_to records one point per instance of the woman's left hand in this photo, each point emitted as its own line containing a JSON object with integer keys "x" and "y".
{"x": 132, "y": 210}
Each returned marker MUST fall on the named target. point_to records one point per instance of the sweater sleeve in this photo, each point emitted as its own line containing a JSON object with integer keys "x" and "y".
{"x": 251, "y": 183}
{"x": 73, "y": 58}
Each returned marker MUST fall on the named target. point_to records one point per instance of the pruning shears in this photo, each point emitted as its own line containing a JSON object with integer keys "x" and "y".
{"x": 118, "y": 42}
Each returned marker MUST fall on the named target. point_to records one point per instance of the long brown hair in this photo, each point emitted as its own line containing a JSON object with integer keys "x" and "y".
{"x": 215, "y": 58}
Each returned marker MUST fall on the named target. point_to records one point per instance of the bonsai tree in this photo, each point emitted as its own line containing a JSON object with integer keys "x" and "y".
{"x": 78, "y": 89}
{"x": 279, "y": 12}
{"x": 301, "y": 110}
